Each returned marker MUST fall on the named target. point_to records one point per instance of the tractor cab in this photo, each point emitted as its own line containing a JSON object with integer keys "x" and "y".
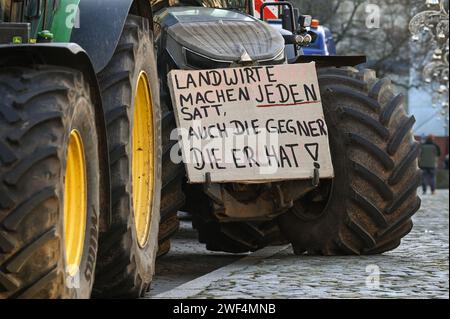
{"x": 28, "y": 11}
{"x": 21, "y": 20}
{"x": 5, "y": 10}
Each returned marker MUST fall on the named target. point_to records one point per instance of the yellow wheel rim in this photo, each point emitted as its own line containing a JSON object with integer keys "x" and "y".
{"x": 142, "y": 159}
{"x": 75, "y": 202}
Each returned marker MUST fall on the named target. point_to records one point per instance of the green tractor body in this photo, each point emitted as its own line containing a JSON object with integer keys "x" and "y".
{"x": 58, "y": 17}
{"x": 80, "y": 94}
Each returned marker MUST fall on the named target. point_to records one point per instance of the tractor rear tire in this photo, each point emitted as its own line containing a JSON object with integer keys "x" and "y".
{"x": 130, "y": 90}
{"x": 47, "y": 129}
{"x": 374, "y": 192}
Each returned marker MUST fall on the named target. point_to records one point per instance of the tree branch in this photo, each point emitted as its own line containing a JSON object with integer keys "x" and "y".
{"x": 343, "y": 32}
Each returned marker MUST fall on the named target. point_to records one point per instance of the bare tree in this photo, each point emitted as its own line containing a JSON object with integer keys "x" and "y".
{"x": 386, "y": 45}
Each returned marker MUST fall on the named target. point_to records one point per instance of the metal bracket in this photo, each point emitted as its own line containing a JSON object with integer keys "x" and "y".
{"x": 213, "y": 190}
{"x": 208, "y": 179}
{"x": 281, "y": 203}
{"x": 316, "y": 176}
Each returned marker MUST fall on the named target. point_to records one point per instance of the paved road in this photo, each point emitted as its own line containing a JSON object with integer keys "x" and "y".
{"x": 186, "y": 261}
{"x": 419, "y": 268}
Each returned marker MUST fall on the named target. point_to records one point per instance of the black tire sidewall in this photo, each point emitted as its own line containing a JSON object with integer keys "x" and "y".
{"x": 316, "y": 233}
{"x": 82, "y": 119}
{"x": 145, "y": 256}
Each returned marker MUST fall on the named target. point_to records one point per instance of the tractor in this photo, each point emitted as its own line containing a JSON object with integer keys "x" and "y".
{"x": 366, "y": 207}
{"x": 88, "y": 189}
{"x": 83, "y": 188}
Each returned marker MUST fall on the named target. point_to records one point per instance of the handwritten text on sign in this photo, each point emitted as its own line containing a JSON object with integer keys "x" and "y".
{"x": 254, "y": 123}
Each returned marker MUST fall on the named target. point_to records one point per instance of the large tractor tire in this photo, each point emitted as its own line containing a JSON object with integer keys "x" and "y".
{"x": 230, "y": 237}
{"x": 49, "y": 183}
{"x": 374, "y": 192}
{"x": 130, "y": 91}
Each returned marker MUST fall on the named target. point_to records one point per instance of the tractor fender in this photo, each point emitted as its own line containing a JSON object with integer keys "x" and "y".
{"x": 331, "y": 60}
{"x": 72, "y": 56}
{"x": 101, "y": 25}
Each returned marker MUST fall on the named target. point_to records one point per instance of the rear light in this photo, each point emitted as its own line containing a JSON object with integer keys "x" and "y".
{"x": 315, "y": 23}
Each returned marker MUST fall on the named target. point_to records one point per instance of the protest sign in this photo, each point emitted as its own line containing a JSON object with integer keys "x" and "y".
{"x": 250, "y": 124}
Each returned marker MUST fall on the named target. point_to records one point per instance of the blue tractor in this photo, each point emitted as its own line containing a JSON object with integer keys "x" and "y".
{"x": 324, "y": 43}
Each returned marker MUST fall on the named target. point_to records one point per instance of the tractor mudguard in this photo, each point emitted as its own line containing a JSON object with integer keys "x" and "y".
{"x": 101, "y": 25}
{"x": 72, "y": 56}
{"x": 332, "y": 60}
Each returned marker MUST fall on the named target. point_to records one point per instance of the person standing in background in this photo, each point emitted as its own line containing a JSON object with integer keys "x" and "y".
{"x": 429, "y": 154}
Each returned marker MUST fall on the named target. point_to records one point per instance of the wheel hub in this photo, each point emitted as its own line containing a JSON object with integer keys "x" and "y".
{"x": 75, "y": 202}
{"x": 142, "y": 159}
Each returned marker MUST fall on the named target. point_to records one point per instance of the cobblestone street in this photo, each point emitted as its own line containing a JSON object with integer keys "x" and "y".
{"x": 419, "y": 268}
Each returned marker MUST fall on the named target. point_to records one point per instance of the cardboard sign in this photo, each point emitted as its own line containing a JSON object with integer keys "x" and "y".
{"x": 251, "y": 124}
